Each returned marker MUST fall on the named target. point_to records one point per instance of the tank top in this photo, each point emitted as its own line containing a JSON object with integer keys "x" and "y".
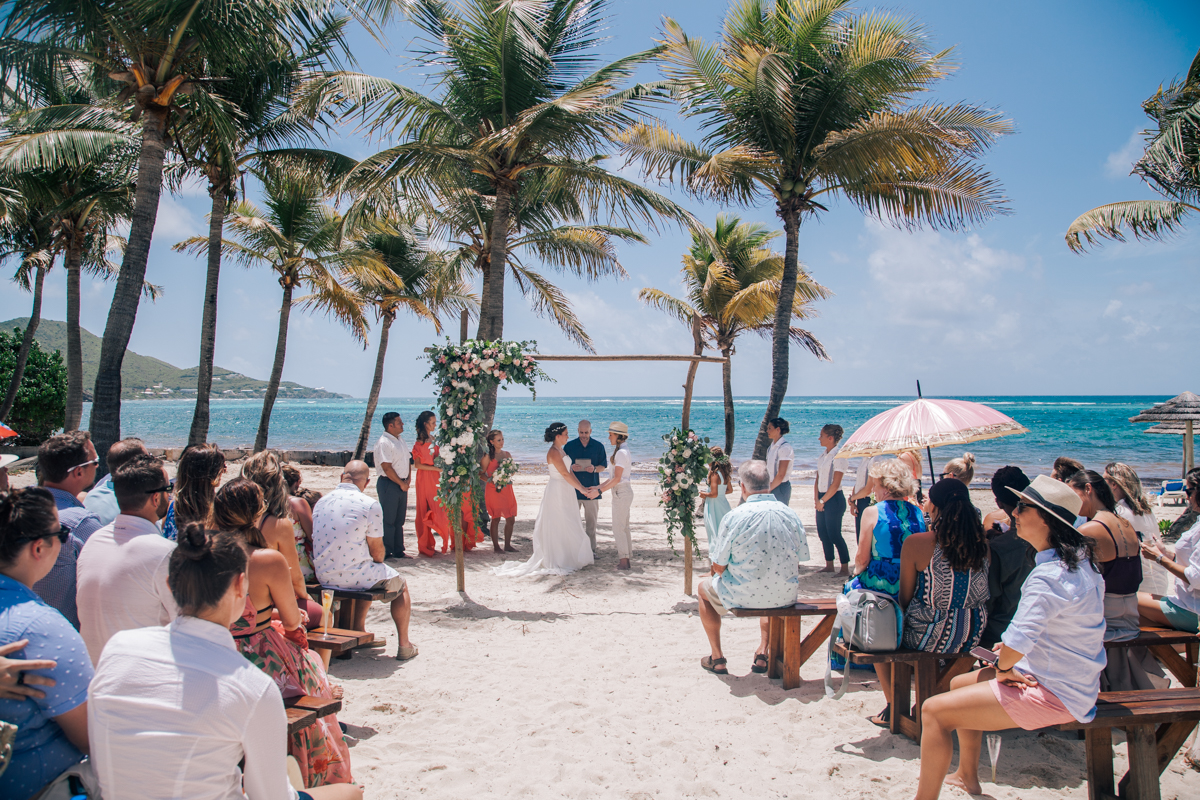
{"x": 1122, "y": 575}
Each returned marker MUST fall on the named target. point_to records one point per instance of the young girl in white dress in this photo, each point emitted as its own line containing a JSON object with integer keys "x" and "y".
{"x": 716, "y": 500}
{"x": 560, "y": 544}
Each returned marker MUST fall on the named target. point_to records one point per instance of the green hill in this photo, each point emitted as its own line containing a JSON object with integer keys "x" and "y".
{"x": 143, "y": 377}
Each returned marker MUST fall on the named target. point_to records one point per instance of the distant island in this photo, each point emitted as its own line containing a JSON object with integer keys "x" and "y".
{"x": 146, "y": 378}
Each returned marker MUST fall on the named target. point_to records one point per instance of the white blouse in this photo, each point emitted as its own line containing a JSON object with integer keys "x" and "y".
{"x": 780, "y": 450}
{"x": 173, "y": 710}
{"x": 826, "y": 467}
{"x": 622, "y": 459}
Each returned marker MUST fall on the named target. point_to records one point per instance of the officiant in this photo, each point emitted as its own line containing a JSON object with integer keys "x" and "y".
{"x": 588, "y": 460}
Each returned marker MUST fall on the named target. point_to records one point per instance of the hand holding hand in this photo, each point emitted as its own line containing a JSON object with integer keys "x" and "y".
{"x": 593, "y": 492}
{"x": 15, "y": 682}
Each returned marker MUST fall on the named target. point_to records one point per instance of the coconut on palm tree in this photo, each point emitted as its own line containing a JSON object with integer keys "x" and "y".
{"x": 803, "y": 101}
{"x": 522, "y": 93}
{"x": 1170, "y": 164}
{"x": 157, "y": 51}
{"x": 733, "y": 288}
{"x": 422, "y": 282}
{"x": 299, "y": 236}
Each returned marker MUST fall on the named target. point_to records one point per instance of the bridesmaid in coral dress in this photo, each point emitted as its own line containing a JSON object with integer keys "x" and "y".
{"x": 501, "y": 503}
{"x": 431, "y": 517}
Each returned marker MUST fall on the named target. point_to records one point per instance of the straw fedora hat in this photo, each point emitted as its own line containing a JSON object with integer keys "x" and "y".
{"x": 1053, "y": 497}
{"x": 619, "y": 428}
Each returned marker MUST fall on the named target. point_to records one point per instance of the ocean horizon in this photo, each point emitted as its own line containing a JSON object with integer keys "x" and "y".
{"x": 1093, "y": 428}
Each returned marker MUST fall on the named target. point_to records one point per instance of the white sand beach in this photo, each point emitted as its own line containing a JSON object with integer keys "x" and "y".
{"x": 589, "y": 686}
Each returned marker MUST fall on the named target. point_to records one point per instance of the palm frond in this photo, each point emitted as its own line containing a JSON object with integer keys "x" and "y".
{"x": 1154, "y": 220}
{"x": 549, "y": 302}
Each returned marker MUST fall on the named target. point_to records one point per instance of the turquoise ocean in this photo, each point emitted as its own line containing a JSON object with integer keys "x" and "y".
{"x": 1095, "y": 430}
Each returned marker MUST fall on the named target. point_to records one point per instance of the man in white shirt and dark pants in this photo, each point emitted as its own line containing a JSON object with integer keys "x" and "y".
{"x": 122, "y": 569}
{"x": 392, "y": 467}
{"x": 348, "y": 551}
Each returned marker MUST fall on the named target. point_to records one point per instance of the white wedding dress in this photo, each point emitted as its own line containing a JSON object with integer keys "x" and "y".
{"x": 560, "y": 544}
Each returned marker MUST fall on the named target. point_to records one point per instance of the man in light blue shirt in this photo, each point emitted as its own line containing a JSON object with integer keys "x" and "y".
{"x": 101, "y": 500}
{"x": 755, "y": 559}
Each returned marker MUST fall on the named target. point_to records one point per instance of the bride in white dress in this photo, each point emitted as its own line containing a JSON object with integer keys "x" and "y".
{"x": 560, "y": 544}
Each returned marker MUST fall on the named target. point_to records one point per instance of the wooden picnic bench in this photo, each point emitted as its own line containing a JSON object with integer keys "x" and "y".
{"x": 304, "y": 710}
{"x": 786, "y": 650}
{"x": 1156, "y": 723}
{"x": 1162, "y": 644}
{"x": 339, "y": 640}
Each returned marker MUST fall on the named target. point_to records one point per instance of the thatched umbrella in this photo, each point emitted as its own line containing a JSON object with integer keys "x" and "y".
{"x": 1184, "y": 409}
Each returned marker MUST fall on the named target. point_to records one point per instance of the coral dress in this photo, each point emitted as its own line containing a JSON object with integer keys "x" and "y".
{"x": 500, "y": 502}
{"x": 431, "y": 517}
{"x": 319, "y": 749}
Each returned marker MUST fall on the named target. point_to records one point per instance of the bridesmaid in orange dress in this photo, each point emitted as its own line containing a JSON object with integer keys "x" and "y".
{"x": 431, "y": 517}
{"x": 500, "y": 502}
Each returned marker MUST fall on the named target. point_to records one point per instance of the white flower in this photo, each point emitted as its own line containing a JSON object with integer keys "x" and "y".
{"x": 488, "y": 363}
{"x": 685, "y": 481}
{"x": 687, "y": 453}
{"x": 458, "y": 423}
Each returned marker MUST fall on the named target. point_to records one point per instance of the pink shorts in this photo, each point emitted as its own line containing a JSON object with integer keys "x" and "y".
{"x": 1031, "y": 707}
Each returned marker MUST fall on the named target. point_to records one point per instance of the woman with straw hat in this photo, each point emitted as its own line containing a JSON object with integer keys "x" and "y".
{"x": 622, "y": 491}
{"x": 1050, "y": 656}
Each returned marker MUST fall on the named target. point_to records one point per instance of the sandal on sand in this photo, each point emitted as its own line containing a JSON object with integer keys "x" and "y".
{"x": 759, "y": 668}
{"x": 883, "y": 719}
{"x": 406, "y": 653}
{"x": 714, "y": 665}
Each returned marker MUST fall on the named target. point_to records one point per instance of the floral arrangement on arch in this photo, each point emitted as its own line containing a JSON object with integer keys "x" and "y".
{"x": 465, "y": 372}
{"x": 682, "y": 472}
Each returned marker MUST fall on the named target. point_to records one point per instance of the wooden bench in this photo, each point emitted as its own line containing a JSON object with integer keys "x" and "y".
{"x": 911, "y": 670}
{"x": 786, "y": 650}
{"x": 304, "y": 710}
{"x": 1156, "y": 724}
{"x": 1162, "y": 643}
{"x": 345, "y": 615}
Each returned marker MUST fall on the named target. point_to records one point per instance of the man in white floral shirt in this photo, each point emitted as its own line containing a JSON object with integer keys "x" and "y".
{"x": 756, "y": 557}
{"x": 348, "y": 551}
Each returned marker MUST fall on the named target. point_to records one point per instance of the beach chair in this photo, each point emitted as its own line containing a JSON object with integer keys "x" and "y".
{"x": 1173, "y": 490}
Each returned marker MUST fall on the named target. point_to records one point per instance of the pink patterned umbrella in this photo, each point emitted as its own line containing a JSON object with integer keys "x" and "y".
{"x": 928, "y": 423}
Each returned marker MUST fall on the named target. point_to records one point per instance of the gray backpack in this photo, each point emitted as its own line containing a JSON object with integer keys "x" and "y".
{"x": 870, "y": 622}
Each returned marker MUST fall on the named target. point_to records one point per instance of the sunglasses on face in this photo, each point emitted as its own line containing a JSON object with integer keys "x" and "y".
{"x": 1022, "y": 506}
{"x": 63, "y": 533}
{"x": 170, "y": 487}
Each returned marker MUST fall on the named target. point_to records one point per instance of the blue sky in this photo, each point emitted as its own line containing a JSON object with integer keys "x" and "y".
{"x": 1004, "y": 309}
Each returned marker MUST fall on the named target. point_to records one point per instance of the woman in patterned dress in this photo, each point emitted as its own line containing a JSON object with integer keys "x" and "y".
{"x": 885, "y": 527}
{"x": 944, "y": 581}
{"x": 278, "y": 646}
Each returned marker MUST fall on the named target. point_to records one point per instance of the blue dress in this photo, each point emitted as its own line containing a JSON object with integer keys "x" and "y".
{"x": 898, "y": 519}
{"x": 715, "y": 509}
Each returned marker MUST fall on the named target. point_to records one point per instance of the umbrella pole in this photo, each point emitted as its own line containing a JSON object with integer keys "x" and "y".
{"x": 1189, "y": 459}
{"x": 928, "y": 451}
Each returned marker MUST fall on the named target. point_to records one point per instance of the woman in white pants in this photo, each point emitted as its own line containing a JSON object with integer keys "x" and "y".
{"x": 622, "y": 491}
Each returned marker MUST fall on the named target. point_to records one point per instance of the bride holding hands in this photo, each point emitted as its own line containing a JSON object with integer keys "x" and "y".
{"x": 560, "y": 544}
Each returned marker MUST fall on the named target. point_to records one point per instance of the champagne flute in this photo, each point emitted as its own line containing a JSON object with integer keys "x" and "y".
{"x": 326, "y": 608}
{"x": 993, "y": 740}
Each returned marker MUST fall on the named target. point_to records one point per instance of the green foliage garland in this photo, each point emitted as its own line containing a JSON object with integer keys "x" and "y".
{"x": 42, "y": 397}
{"x": 682, "y": 472}
{"x": 465, "y": 373}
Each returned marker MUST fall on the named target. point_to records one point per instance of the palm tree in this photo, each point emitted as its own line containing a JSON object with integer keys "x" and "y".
{"x": 733, "y": 289}
{"x": 803, "y": 99}
{"x": 252, "y": 122}
{"x": 1170, "y": 164}
{"x": 25, "y": 235}
{"x": 523, "y": 94}
{"x": 300, "y": 237}
{"x": 422, "y": 282}
{"x": 159, "y": 51}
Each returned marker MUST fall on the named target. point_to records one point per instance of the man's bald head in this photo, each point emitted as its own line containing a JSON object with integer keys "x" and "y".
{"x": 358, "y": 473}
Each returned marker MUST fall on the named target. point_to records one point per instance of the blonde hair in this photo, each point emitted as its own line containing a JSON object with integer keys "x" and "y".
{"x": 266, "y": 469}
{"x": 962, "y": 468}
{"x": 894, "y": 477}
{"x": 1124, "y": 476}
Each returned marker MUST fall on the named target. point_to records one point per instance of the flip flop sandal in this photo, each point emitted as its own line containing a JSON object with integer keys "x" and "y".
{"x": 714, "y": 665}
{"x": 883, "y": 719}
{"x": 757, "y": 667}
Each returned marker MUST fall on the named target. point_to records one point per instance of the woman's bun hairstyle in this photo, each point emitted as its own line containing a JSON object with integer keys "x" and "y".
{"x": 202, "y": 566}
{"x": 554, "y": 431}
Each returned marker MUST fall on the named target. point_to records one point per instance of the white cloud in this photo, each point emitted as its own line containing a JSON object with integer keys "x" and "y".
{"x": 1120, "y": 163}
{"x": 1113, "y": 307}
{"x": 175, "y": 221}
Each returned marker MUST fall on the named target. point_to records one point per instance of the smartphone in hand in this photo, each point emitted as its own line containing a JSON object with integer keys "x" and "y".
{"x": 989, "y": 657}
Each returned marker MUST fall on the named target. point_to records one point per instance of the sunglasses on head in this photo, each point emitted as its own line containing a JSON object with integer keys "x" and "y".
{"x": 84, "y": 465}
{"x": 63, "y": 533}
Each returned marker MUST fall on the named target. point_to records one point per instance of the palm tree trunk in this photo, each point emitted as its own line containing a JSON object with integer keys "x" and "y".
{"x": 783, "y": 320}
{"x": 485, "y": 296}
{"x": 491, "y": 316}
{"x": 72, "y": 262}
{"x": 264, "y": 422}
{"x": 35, "y": 318}
{"x": 727, "y": 386}
{"x": 698, "y": 347}
{"x": 208, "y": 322}
{"x": 360, "y": 449}
{"x": 106, "y": 397}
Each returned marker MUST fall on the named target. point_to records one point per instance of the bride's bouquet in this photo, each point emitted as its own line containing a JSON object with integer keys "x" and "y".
{"x": 505, "y": 471}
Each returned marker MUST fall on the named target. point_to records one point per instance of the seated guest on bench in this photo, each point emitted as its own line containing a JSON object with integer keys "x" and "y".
{"x": 100, "y": 500}
{"x": 755, "y": 558}
{"x": 52, "y": 732}
{"x": 177, "y": 711}
{"x": 348, "y": 552}
{"x": 1179, "y": 611}
{"x": 1010, "y": 556}
{"x": 279, "y": 647}
{"x": 1052, "y": 653}
{"x": 943, "y": 582}
{"x": 1116, "y": 548}
{"x": 885, "y": 527}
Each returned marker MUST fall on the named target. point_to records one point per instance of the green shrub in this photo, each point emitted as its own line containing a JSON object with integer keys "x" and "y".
{"x": 41, "y": 403}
